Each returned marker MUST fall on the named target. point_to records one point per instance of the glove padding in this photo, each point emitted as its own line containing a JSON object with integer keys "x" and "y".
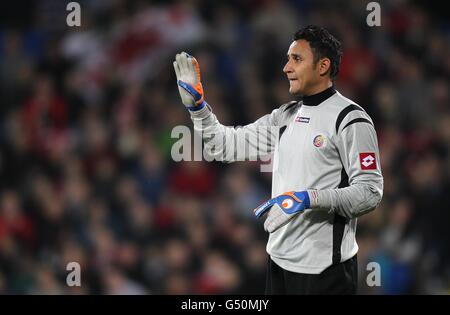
{"x": 190, "y": 87}
{"x": 282, "y": 209}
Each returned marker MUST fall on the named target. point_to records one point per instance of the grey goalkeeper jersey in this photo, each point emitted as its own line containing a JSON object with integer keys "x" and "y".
{"x": 325, "y": 144}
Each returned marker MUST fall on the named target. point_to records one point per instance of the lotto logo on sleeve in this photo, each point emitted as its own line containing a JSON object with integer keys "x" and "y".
{"x": 368, "y": 161}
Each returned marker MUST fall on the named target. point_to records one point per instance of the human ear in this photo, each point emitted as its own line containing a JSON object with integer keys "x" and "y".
{"x": 324, "y": 66}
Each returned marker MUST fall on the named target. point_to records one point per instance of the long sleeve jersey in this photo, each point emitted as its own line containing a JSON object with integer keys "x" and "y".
{"x": 325, "y": 144}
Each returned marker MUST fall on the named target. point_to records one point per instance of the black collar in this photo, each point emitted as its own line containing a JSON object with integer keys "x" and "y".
{"x": 316, "y": 99}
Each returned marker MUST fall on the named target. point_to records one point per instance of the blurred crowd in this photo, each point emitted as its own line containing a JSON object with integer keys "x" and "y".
{"x": 86, "y": 173}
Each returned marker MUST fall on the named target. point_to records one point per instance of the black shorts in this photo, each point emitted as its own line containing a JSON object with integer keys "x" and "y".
{"x": 341, "y": 278}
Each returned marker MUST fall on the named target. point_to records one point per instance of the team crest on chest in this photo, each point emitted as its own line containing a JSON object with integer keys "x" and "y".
{"x": 319, "y": 141}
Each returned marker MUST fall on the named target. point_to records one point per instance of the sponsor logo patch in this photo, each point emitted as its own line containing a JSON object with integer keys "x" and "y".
{"x": 368, "y": 161}
{"x": 287, "y": 203}
{"x": 302, "y": 119}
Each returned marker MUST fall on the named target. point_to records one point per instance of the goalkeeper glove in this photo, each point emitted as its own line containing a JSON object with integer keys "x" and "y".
{"x": 282, "y": 209}
{"x": 190, "y": 87}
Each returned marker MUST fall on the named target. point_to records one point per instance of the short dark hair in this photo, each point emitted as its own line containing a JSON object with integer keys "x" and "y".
{"x": 323, "y": 44}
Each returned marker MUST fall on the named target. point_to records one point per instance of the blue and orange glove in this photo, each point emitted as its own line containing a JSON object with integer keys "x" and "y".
{"x": 282, "y": 209}
{"x": 188, "y": 80}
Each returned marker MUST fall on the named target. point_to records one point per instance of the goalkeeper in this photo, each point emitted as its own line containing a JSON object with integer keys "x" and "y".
{"x": 326, "y": 166}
